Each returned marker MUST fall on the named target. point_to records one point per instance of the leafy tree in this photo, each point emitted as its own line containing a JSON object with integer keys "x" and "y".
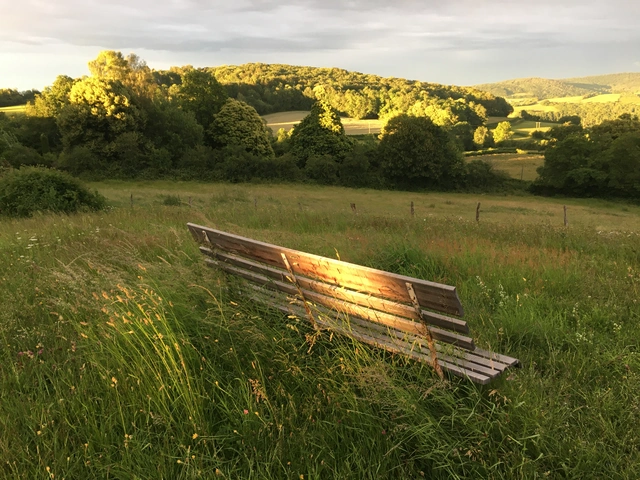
{"x": 480, "y": 136}
{"x": 623, "y": 158}
{"x": 201, "y": 94}
{"x": 414, "y": 151}
{"x": 131, "y": 71}
{"x": 502, "y": 132}
{"x": 239, "y": 124}
{"x": 463, "y": 133}
{"x": 320, "y": 133}
{"x": 52, "y": 99}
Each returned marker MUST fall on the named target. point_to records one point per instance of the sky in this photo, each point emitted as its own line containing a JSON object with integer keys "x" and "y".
{"x": 461, "y": 42}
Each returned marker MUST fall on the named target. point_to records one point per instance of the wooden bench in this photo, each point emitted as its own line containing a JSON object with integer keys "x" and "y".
{"x": 414, "y": 317}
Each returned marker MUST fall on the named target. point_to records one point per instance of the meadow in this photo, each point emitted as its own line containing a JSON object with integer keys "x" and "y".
{"x": 16, "y": 110}
{"x": 125, "y": 357}
{"x": 517, "y": 165}
{"x": 352, "y": 126}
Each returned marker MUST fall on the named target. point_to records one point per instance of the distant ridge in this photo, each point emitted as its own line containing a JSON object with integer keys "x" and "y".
{"x": 544, "y": 88}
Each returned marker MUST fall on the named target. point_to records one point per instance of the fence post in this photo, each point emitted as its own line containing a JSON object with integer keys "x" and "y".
{"x": 353, "y": 208}
{"x": 189, "y": 201}
{"x": 131, "y": 200}
{"x": 566, "y": 220}
{"x": 478, "y": 212}
{"x": 412, "y": 211}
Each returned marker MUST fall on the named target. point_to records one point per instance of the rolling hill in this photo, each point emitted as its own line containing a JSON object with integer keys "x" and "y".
{"x": 546, "y": 88}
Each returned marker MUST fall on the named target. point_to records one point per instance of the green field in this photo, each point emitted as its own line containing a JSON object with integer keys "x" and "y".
{"x": 16, "y": 110}
{"x": 604, "y": 98}
{"x": 125, "y": 357}
{"x": 519, "y": 166}
{"x": 352, "y": 126}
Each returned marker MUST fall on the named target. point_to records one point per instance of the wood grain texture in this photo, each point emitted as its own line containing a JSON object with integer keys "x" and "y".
{"x": 436, "y": 296}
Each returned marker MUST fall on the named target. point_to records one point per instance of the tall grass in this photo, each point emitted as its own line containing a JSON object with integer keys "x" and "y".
{"x": 125, "y": 357}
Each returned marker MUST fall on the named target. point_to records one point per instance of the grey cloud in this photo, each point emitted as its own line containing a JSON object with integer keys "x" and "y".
{"x": 450, "y": 35}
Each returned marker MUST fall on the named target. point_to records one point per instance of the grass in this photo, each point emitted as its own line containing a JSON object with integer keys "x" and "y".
{"x": 15, "y": 110}
{"x": 352, "y": 126}
{"x": 124, "y": 357}
{"x": 519, "y": 166}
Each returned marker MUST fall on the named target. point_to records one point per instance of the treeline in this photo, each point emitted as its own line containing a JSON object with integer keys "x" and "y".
{"x": 273, "y": 88}
{"x": 601, "y": 161}
{"x": 10, "y": 97}
{"x": 119, "y": 122}
{"x": 591, "y": 113}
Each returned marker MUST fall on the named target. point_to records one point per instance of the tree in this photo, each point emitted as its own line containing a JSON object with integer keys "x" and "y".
{"x": 52, "y": 99}
{"x": 320, "y": 133}
{"x": 502, "y": 132}
{"x": 201, "y": 94}
{"x": 480, "y": 136}
{"x": 623, "y": 158}
{"x": 132, "y": 71}
{"x": 238, "y": 124}
{"x": 413, "y": 151}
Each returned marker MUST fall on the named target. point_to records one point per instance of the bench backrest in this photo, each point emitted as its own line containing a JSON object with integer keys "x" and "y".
{"x": 375, "y": 295}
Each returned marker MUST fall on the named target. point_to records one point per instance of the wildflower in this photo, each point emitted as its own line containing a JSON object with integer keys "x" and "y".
{"x": 195, "y": 435}
{"x": 246, "y": 412}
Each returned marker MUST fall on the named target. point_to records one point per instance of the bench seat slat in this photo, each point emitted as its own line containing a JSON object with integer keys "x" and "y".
{"x": 450, "y": 364}
{"x": 342, "y": 293}
{"x": 440, "y": 297}
{"x": 469, "y": 359}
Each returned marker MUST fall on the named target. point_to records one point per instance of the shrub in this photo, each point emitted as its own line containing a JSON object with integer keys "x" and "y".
{"x": 172, "y": 201}
{"x": 36, "y": 189}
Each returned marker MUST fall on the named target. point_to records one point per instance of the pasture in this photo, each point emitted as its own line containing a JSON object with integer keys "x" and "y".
{"x": 15, "y": 110}
{"x": 516, "y": 165}
{"x": 125, "y": 357}
{"x": 352, "y": 126}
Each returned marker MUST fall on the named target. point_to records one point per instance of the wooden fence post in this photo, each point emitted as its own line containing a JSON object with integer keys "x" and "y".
{"x": 566, "y": 220}
{"x": 255, "y": 203}
{"x": 189, "y": 201}
{"x": 353, "y": 208}
{"x": 478, "y": 212}
{"x": 131, "y": 200}
{"x": 412, "y": 211}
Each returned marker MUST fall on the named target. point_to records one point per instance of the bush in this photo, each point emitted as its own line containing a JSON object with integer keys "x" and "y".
{"x": 480, "y": 175}
{"x": 35, "y": 189}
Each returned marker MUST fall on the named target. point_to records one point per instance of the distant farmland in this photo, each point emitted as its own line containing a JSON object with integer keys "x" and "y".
{"x": 15, "y": 110}
{"x": 288, "y": 120}
{"x": 519, "y": 166}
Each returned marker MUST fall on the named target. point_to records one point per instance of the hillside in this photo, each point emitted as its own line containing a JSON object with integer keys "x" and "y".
{"x": 546, "y": 88}
{"x": 615, "y": 82}
{"x": 540, "y": 88}
{"x": 272, "y": 88}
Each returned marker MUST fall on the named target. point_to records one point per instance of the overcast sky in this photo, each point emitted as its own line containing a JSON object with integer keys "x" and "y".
{"x": 459, "y": 42}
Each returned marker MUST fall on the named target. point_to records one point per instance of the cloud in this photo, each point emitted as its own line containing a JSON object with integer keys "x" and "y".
{"x": 375, "y": 35}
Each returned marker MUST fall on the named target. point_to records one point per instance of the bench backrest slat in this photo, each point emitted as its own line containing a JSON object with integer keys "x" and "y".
{"x": 342, "y": 293}
{"x": 431, "y": 295}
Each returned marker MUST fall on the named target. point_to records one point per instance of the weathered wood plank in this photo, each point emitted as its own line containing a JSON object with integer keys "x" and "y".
{"x": 342, "y": 293}
{"x": 450, "y": 364}
{"x": 443, "y": 298}
{"x": 347, "y": 308}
